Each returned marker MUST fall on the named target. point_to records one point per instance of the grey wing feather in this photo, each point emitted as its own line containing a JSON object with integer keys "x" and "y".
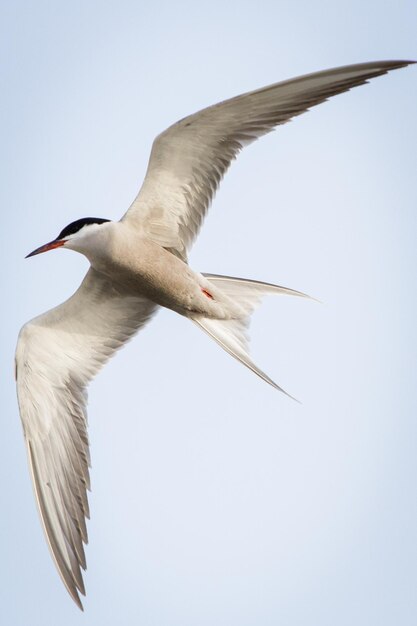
{"x": 57, "y": 355}
{"x": 189, "y": 159}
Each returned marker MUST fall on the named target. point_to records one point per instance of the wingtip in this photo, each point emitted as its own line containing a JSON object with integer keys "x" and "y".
{"x": 407, "y": 62}
{"x": 393, "y": 64}
{"x": 388, "y": 66}
{"x": 401, "y": 62}
{"x": 77, "y": 599}
{"x": 74, "y": 591}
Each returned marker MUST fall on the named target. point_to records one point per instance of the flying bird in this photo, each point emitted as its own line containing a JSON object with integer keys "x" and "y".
{"x": 137, "y": 265}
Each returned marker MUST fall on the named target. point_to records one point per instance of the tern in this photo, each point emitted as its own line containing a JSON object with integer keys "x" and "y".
{"x": 137, "y": 265}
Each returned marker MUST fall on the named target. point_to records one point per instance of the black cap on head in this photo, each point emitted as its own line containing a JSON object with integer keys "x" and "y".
{"x": 74, "y": 227}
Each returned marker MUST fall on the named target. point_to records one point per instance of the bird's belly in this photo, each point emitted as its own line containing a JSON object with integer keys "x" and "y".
{"x": 166, "y": 280}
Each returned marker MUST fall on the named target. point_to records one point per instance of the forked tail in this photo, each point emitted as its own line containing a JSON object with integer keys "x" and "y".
{"x": 232, "y": 334}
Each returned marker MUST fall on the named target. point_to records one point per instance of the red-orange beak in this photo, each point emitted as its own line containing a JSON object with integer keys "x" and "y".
{"x": 57, "y": 243}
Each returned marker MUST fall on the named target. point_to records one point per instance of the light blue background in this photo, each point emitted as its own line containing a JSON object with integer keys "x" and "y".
{"x": 217, "y": 500}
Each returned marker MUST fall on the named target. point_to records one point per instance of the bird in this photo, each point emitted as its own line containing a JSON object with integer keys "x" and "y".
{"x": 137, "y": 265}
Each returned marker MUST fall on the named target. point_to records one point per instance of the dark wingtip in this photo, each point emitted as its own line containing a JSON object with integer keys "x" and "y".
{"x": 75, "y": 596}
{"x": 394, "y": 64}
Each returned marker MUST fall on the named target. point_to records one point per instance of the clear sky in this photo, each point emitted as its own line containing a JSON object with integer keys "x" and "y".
{"x": 217, "y": 500}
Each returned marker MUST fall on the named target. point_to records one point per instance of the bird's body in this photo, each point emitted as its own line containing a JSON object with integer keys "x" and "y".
{"x": 137, "y": 265}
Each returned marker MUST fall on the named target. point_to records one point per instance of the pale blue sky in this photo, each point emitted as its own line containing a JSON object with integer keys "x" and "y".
{"x": 217, "y": 500}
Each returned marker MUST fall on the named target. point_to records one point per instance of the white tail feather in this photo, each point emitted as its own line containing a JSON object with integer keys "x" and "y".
{"x": 232, "y": 334}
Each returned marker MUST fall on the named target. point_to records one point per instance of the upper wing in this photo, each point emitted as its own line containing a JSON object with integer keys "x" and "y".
{"x": 189, "y": 159}
{"x": 57, "y": 354}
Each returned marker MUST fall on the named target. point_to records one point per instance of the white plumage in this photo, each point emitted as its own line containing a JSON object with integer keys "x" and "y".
{"x": 137, "y": 265}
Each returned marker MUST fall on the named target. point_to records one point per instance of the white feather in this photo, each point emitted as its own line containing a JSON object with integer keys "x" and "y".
{"x": 57, "y": 355}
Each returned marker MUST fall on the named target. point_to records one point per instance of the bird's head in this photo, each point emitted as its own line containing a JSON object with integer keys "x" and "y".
{"x": 79, "y": 235}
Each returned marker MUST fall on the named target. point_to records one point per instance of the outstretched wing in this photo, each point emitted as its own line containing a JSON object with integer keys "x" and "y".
{"x": 57, "y": 354}
{"x": 189, "y": 159}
